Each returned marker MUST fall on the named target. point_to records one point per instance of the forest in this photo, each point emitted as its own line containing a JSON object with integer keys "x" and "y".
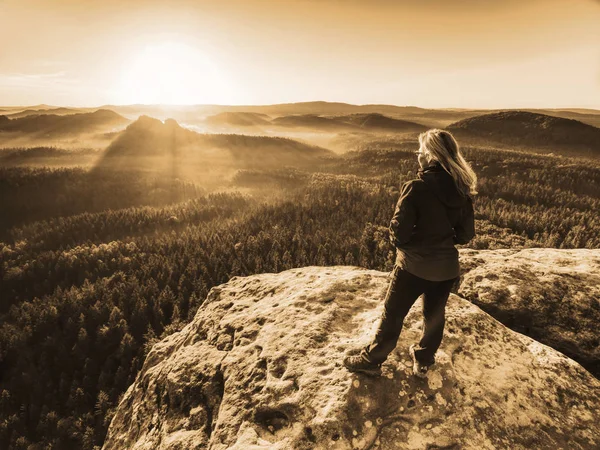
{"x": 95, "y": 267}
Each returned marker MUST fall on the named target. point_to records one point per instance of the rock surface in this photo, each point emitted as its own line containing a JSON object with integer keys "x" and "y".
{"x": 550, "y": 295}
{"x": 259, "y": 367}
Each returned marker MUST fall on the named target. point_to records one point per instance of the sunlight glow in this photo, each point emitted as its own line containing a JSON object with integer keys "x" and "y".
{"x": 173, "y": 73}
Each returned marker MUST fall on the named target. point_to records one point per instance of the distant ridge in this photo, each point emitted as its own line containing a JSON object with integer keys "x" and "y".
{"x": 241, "y": 119}
{"x": 196, "y": 114}
{"x": 149, "y": 137}
{"x": 185, "y": 112}
{"x": 535, "y": 131}
{"x": 58, "y": 111}
{"x": 326, "y": 108}
{"x": 359, "y": 121}
{"x": 53, "y": 125}
{"x": 379, "y": 121}
{"x": 312, "y": 121}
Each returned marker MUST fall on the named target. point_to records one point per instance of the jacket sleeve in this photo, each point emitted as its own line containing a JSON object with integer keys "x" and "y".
{"x": 465, "y": 229}
{"x": 405, "y": 216}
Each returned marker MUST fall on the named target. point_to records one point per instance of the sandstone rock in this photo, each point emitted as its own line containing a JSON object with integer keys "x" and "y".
{"x": 259, "y": 367}
{"x": 548, "y": 294}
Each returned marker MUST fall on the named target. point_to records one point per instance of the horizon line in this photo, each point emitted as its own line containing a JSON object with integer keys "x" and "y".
{"x": 304, "y": 102}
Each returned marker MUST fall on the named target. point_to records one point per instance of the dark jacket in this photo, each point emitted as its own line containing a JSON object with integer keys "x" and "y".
{"x": 430, "y": 217}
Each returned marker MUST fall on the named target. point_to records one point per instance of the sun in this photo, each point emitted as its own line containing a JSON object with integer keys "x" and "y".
{"x": 173, "y": 73}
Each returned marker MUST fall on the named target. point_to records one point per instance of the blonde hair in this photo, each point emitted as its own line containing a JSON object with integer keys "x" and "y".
{"x": 441, "y": 146}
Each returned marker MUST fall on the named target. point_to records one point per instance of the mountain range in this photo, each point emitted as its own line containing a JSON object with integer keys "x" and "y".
{"x": 564, "y": 131}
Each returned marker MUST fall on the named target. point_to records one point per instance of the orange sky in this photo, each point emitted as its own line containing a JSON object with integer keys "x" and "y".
{"x": 430, "y": 53}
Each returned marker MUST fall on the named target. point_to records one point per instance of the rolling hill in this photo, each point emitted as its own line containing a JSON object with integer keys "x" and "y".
{"x": 148, "y": 136}
{"x": 350, "y": 122}
{"x": 150, "y": 144}
{"x": 52, "y": 126}
{"x": 589, "y": 116}
{"x": 531, "y": 131}
{"x": 376, "y": 121}
{"x": 61, "y": 111}
{"x": 312, "y": 121}
{"x": 195, "y": 114}
{"x": 238, "y": 119}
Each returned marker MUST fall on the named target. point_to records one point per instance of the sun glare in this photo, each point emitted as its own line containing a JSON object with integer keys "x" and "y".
{"x": 173, "y": 73}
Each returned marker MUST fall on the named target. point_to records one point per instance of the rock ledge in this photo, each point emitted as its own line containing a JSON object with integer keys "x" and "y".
{"x": 259, "y": 367}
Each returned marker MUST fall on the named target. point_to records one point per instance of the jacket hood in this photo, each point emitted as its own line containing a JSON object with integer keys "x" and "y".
{"x": 442, "y": 184}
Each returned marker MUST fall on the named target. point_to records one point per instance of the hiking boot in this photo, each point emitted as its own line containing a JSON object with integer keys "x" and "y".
{"x": 419, "y": 369}
{"x": 357, "y": 363}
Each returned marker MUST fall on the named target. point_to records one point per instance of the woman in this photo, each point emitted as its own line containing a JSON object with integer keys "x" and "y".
{"x": 434, "y": 212}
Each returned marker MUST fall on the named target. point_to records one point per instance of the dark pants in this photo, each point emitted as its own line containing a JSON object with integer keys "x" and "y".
{"x": 403, "y": 291}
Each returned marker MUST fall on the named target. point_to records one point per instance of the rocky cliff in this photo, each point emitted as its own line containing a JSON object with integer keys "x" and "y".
{"x": 550, "y": 295}
{"x": 260, "y": 368}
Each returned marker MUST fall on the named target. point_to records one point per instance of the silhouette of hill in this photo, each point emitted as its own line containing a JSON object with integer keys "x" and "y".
{"x": 53, "y": 125}
{"x": 149, "y": 137}
{"x": 240, "y": 119}
{"x": 192, "y": 113}
{"x": 58, "y": 111}
{"x": 589, "y": 116}
{"x": 440, "y": 117}
{"x": 323, "y": 108}
{"x": 312, "y": 121}
{"x": 537, "y": 132}
{"x": 380, "y": 122}
{"x": 352, "y": 122}
{"x": 576, "y": 110}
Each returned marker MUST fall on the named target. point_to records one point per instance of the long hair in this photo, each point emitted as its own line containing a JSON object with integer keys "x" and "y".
{"x": 441, "y": 146}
